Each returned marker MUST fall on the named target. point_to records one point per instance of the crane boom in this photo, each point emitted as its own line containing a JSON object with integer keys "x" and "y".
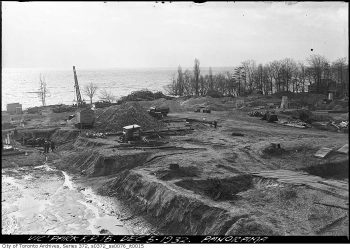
{"x": 77, "y": 91}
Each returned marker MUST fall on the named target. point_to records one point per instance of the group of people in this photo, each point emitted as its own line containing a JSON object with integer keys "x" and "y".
{"x": 48, "y": 145}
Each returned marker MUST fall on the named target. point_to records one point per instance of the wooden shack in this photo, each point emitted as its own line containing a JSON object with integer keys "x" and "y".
{"x": 85, "y": 118}
{"x": 14, "y": 108}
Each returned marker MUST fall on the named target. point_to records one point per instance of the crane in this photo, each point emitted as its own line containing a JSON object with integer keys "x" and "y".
{"x": 80, "y": 102}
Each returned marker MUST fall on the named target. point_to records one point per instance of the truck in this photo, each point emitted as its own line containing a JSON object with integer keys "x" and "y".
{"x": 158, "y": 112}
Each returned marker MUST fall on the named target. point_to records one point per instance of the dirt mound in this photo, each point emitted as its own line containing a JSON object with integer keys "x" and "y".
{"x": 92, "y": 163}
{"x": 174, "y": 105}
{"x": 63, "y": 136}
{"x": 114, "y": 118}
{"x": 214, "y": 104}
{"x": 143, "y": 95}
{"x": 35, "y": 133}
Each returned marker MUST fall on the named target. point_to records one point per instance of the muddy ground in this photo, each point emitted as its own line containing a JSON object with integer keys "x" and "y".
{"x": 229, "y": 180}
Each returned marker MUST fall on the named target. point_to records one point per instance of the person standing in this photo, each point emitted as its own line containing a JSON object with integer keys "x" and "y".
{"x": 46, "y": 146}
{"x": 52, "y": 144}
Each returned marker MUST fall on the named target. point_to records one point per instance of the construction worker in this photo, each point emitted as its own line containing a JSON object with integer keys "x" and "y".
{"x": 46, "y": 146}
{"x": 52, "y": 144}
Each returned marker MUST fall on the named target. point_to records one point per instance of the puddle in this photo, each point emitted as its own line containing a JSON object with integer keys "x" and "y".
{"x": 112, "y": 224}
{"x": 44, "y": 166}
{"x": 107, "y": 222}
{"x": 28, "y": 177}
{"x": 67, "y": 181}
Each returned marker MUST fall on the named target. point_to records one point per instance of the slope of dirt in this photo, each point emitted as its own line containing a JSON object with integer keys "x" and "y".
{"x": 175, "y": 212}
{"x": 89, "y": 158}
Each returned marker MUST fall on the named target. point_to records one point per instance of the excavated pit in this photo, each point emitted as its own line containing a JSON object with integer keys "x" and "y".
{"x": 171, "y": 174}
{"x": 174, "y": 212}
{"x": 332, "y": 170}
{"x": 219, "y": 189}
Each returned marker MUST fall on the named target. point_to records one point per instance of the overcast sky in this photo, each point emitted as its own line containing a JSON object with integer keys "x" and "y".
{"x": 141, "y": 34}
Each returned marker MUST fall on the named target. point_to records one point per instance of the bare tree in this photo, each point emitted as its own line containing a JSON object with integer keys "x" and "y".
{"x": 288, "y": 70}
{"x": 196, "y": 72}
{"x": 239, "y": 76}
{"x": 210, "y": 79}
{"x": 317, "y": 64}
{"x": 301, "y": 76}
{"x": 107, "y": 96}
{"x": 43, "y": 91}
{"x": 180, "y": 81}
{"x": 249, "y": 70}
{"x": 276, "y": 74}
{"x": 90, "y": 91}
{"x": 339, "y": 68}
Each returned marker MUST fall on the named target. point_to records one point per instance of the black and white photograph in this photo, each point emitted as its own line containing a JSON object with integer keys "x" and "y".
{"x": 175, "y": 120}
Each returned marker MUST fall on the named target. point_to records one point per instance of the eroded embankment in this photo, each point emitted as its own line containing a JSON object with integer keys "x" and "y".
{"x": 170, "y": 208}
{"x": 174, "y": 212}
{"x": 93, "y": 163}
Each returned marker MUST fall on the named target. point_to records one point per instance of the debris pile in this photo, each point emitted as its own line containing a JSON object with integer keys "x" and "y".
{"x": 255, "y": 114}
{"x": 340, "y": 126}
{"x": 63, "y": 108}
{"x": 143, "y": 95}
{"x": 295, "y": 123}
{"x": 114, "y": 118}
{"x": 95, "y": 135}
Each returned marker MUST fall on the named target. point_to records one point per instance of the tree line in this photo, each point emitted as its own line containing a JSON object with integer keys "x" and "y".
{"x": 284, "y": 75}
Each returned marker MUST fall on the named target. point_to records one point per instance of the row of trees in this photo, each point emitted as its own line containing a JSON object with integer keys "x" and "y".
{"x": 276, "y": 76}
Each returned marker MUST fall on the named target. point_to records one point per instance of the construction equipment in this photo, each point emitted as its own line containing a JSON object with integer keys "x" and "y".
{"x": 158, "y": 112}
{"x": 203, "y": 108}
{"x": 131, "y": 133}
{"x": 85, "y": 118}
{"x": 80, "y": 102}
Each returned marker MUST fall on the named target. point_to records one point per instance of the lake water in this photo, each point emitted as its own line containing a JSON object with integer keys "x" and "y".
{"x": 18, "y": 83}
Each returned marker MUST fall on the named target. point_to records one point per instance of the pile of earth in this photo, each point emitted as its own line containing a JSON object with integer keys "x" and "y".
{"x": 114, "y": 118}
{"x": 173, "y": 104}
{"x": 143, "y": 95}
{"x": 214, "y": 104}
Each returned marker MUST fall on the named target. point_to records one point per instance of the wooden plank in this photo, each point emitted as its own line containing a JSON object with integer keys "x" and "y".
{"x": 332, "y": 224}
{"x": 344, "y": 197}
{"x": 335, "y": 185}
{"x": 344, "y": 149}
{"x": 331, "y": 205}
{"x": 323, "y": 152}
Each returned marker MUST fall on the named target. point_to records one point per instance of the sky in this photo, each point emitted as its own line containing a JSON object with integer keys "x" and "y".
{"x": 151, "y": 34}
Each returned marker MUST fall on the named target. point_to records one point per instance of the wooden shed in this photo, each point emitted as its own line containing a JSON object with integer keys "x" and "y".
{"x": 14, "y": 108}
